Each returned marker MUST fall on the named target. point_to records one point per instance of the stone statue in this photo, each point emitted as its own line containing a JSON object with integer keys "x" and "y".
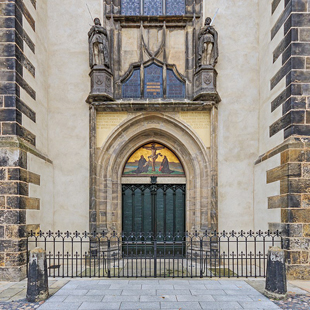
{"x": 207, "y": 45}
{"x": 98, "y": 45}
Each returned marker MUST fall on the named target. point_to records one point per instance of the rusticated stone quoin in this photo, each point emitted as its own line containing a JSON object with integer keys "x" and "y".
{"x": 293, "y": 172}
{"x": 16, "y": 140}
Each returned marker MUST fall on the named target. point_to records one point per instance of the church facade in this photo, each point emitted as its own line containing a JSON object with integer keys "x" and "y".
{"x": 162, "y": 115}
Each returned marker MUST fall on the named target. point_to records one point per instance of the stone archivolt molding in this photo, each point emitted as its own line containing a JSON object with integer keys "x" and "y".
{"x": 135, "y": 132}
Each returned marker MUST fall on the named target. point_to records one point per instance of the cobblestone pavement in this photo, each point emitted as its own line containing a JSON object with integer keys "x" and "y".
{"x": 19, "y": 305}
{"x": 294, "y": 302}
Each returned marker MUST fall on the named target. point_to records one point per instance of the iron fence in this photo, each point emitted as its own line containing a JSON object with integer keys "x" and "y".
{"x": 180, "y": 255}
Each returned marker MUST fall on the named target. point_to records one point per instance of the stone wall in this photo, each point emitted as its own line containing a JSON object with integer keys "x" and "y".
{"x": 18, "y": 136}
{"x": 288, "y": 101}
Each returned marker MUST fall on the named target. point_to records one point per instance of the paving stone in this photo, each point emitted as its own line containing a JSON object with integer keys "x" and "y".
{"x": 212, "y": 305}
{"x": 140, "y": 305}
{"x": 125, "y": 286}
{"x": 242, "y": 292}
{"x": 158, "y": 298}
{"x": 57, "y": 298}
{"x": 209, "y": 292}
{"x": 10, "y": 292}
{"x": 99, "y": 305}
{"x": 232, "y": 298}
{"x": 258, "y": 297}
{"x": 146, "y": 281}
{"x": 174, "y": 282}
{"x": 104, "y": 292}
{"x": 173, "y": 292}
{"x": 158, "y": 287}
{"x": 203, "y": 281}
{"x": 232, "y": 287}
{"x": 70, "y": 286}
{"x": 3, "y": 299}
{"x": 180, "y": 305}
{"x": 60, "y": 306}
{"x": 195, "y": 298}
{"x": 141, "y": 292}
{"x": 90, "y": 287}
{"x": 59, "y": 284}
{"x": 112, "y": 298}
{"x": 258, "y": 305}
{"x": 115, "y": 281}
{"x": 83, "y": 298}
{"x": 192, "y": 286}
{"x": 72, "y": 292}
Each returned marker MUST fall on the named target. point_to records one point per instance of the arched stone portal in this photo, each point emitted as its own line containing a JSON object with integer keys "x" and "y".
{"x": 135, "y": 131}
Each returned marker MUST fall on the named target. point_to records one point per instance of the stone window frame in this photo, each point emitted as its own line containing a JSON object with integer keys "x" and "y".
{"x": 166, "y": 67}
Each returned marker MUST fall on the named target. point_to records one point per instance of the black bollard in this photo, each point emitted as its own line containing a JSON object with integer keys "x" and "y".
{"x": 276, "y": 285}
{"x": 37, "y": 287}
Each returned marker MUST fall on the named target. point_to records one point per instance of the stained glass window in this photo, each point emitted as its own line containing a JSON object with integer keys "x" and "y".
{"x": 153, "y": 7}
{"x": 175, "y": 7}
{"x": 131, "y": 7}
{"x": 175, "y": 87}
{"x": 153, "y": 82}
{"x": 131, "y": 88}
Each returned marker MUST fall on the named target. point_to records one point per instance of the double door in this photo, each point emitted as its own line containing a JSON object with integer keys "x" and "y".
{"x": 153, "y": 213}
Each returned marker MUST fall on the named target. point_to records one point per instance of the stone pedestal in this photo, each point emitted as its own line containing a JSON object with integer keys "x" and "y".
{"x": 205, "y": 84}
{"x": 101, "y": 84}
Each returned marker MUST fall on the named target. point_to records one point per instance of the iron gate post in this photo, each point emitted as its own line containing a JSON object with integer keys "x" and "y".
{"x": 201, "y": 258}
{"x": 155, "y": 257}
{"x": 109, "y": 258}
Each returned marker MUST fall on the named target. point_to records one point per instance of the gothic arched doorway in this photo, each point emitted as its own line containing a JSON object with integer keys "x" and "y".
{"x": 153, "y": 192}
{"x": 133, "y": 133}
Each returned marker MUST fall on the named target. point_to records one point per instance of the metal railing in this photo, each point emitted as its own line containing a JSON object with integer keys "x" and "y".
{"x": 180, "y": 255}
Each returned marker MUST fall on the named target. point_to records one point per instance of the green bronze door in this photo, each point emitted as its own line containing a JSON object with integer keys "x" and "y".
{"x": 154, "y": 211}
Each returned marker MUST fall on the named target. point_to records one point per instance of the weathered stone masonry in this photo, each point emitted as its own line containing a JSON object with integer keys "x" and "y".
{"x": 294, "y": 172}
{"x": 15, "y": 140}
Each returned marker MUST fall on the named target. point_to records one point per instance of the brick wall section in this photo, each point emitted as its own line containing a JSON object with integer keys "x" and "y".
{"x": 15, "y": 139}
{"x": 294, "y": 172}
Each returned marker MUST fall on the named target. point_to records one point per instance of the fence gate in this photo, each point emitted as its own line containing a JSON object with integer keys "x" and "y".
{"x": 176, "y": 255}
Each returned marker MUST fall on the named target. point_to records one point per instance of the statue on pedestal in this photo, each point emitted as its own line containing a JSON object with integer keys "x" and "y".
{"x": 98, "y": 45}
{"x": 207, "y": 45}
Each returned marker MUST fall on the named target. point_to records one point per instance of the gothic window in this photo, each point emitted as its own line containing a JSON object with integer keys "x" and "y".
{"x": 175, "y": 7}
{"x": 175, "y": 88}
{"x": 153, "y": 84}
{"x": 131, "y": 7}
{"x": 131, "y": 88}
{"x": 153, "y": 7}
